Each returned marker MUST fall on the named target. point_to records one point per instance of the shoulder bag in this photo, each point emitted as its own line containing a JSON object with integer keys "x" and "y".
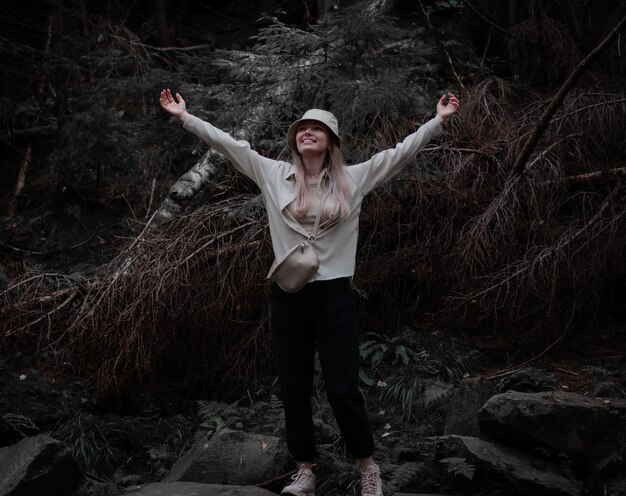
{"x": 300, "y": 263}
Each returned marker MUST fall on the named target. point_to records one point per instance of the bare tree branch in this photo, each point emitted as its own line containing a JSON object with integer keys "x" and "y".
{"x": 520, "y": 164}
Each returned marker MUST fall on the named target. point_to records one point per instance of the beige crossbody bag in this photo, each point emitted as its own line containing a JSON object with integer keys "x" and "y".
{"x": 300, "y": 263}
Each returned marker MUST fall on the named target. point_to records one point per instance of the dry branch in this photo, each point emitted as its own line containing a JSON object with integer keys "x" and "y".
{"x": 588, "y": 177}
{"x": 533, "y": 259}
{"x": 520, "y": 164}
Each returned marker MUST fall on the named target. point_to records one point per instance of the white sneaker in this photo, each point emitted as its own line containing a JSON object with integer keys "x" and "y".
{"x": 303, "y": 483}
{"x": 371, "y": 485}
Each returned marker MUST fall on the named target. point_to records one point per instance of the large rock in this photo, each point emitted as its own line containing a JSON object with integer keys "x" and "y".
{"x": 607, "y": 389}
{"x": 195, "y": 489}
{"x": 522, "y": 474}
{"x": 37, "y": 466}
{"x": 231, "y": 457}
{"x": 462, "y": 411}
{"x": 588, "y": 431}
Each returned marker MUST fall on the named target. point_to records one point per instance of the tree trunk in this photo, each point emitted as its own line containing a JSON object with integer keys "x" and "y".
{"x": 160, "y": 14}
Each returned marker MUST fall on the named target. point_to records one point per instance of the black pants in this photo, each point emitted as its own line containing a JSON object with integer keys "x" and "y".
{"x": 321, "y": 313}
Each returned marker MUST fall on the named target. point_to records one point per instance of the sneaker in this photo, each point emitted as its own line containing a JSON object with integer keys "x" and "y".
{"x": 303, "y": 483}
{"x": 371, "y": 484}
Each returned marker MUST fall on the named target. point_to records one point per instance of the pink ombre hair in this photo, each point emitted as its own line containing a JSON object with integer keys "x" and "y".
{"x": 337, "y": 199}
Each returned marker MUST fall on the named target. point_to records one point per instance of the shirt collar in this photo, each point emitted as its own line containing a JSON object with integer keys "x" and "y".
{"x": 291, "y": 172}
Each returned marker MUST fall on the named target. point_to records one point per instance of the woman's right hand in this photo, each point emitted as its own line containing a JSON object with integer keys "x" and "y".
{"x": 177, "y": 107}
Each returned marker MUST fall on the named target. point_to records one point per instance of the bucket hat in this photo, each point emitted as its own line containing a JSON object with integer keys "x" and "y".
{"x": 323, "y": 116}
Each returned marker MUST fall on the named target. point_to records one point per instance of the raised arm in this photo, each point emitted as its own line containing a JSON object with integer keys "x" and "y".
{"x": 384, "y": 165}
{"x": 239, "y": 153}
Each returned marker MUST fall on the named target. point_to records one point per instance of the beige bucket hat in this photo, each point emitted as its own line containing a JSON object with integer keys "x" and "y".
{"x": 323, "y": 116}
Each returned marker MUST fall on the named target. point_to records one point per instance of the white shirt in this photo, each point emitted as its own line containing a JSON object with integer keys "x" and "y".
{"x": 336, "y": 245}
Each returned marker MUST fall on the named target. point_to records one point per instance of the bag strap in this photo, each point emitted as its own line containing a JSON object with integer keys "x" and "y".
{"x": 313, "y": 236}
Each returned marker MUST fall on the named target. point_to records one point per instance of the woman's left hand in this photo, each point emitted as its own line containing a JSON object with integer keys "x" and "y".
{"x": 446, "y": 107}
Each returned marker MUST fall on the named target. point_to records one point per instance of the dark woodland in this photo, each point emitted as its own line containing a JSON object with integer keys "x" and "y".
{"x": 133, "y": 300}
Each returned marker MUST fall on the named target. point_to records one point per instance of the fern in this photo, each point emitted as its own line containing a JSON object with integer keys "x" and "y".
{"x": 434, "y": 392}
{"x": 216, "y": 415}
{"x": 402, "y": 354}
{"x": 402, "y": 477}
{"x": 365, "y": 379}
{"x": 459, "y": 466}
{"x": 406, "y": 395}
{"x": 608, "y": 460}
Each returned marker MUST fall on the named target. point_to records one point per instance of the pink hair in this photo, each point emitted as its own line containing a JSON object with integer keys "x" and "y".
{"x": 337, "y": 199}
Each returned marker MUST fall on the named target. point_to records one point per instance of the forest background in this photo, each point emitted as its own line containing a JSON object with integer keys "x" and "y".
{"x": 127, "y": 244}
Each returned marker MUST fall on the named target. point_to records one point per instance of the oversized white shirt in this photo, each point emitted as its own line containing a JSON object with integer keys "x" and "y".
{"x": 336, "y": 245}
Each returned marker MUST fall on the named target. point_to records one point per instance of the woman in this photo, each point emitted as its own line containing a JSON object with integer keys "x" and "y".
{"x": 318, "y": 197}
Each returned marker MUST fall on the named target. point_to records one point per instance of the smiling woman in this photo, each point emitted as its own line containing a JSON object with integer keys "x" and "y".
{"x": 313, "y": 206}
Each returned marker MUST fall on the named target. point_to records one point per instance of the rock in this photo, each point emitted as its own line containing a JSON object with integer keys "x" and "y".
{"x": 95, "y": 488}
{"x": 529, "y": 380}
{"x": 37, "y": 466}
{"x": 195, "y": 489}
{"x": 462, "y": 411}
{"x": 522, "y": 474}
{"x": 129, "y": 480}
{"x": 231, "y": 457}
{"x": 15, "y": 427}
{"x": 607, "y": 389}
{"x": 588, "y": 431}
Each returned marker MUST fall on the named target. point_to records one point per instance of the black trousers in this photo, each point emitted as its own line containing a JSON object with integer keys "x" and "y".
{"x": 321, "y": 313}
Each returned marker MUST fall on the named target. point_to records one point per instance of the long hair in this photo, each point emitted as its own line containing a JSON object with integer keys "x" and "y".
{"x": 338, "y": 196}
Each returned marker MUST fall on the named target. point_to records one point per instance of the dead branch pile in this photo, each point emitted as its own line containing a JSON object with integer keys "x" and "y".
{"x": 175, "y": 294}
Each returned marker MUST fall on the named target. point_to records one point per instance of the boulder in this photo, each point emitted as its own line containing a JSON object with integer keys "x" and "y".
{"x": 36, "y": 466}
{"x": 522, "y": 474}
{"x": 14, "y": 427}
{"x": 462, "y": 411}
{"x": 195, "y": 489}
{"x": 607, "y": 389}
{"x": 231, "y": 457}
{"x": 587, "y": 431}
